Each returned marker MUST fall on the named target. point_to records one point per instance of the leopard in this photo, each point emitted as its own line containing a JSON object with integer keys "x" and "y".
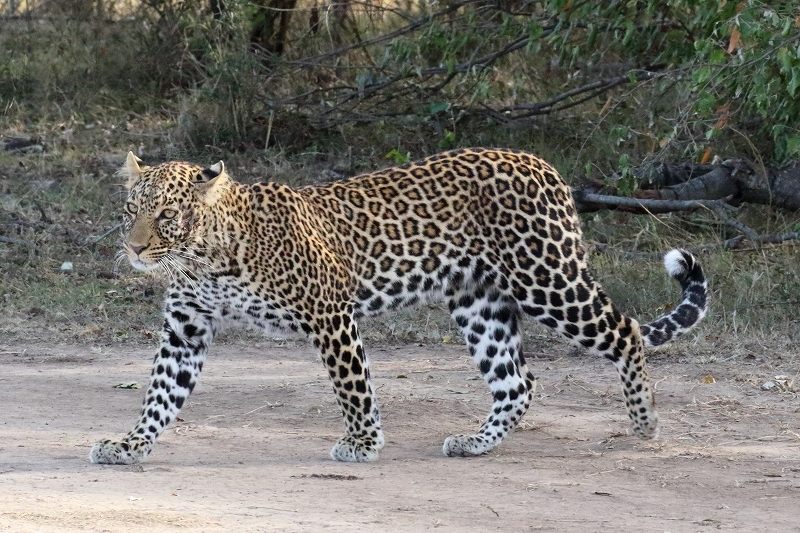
{"x": 493, "y": 232}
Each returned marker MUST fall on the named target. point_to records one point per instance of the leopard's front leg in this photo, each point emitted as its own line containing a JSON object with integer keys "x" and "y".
{"x": 185, "y": 337}
{"x": 343, "y": 354}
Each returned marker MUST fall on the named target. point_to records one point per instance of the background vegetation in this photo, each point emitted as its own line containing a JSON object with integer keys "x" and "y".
{"x": 305, "y": 91}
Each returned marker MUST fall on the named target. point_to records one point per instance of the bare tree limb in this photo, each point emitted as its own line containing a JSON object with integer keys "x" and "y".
{"x": 409, "y": 28}
{"x": 598, "y": 87}
{"x": 718, "y": 207}
{"x": 586, "y": 202}
{"x": 729, "y": 244}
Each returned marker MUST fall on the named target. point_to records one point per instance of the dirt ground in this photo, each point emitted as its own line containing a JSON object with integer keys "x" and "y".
{"x": 251, "y": 450}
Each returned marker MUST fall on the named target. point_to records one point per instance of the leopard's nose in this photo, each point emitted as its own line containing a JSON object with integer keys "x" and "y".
{"x": 137, "y": 249}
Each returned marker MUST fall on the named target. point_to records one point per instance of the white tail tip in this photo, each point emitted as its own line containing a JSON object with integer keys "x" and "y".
{"x": 675, "y": 263}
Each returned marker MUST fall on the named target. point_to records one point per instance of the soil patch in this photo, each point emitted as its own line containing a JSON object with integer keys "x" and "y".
{"x": 250, "y": 451}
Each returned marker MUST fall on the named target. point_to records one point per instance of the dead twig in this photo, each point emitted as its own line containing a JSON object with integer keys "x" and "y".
{"x": 45, "y": 218}
{"x": 9, "y": 240}
{"x": 91, "y": 241}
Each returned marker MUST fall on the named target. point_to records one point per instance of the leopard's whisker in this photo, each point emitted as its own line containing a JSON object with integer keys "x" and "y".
{"x": 180, "y": 270}
{"x": 185, "y": 254}
{"x": 165, "y": 266}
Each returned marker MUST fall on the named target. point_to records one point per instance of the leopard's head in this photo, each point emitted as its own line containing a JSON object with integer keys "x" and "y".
{"x": 164, "y": 208}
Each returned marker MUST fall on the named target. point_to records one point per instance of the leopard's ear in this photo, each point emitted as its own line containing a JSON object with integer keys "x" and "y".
{"x": 212, "y": 183}
{"x": 208, "y": 174}
{"x": 131, "y": 170}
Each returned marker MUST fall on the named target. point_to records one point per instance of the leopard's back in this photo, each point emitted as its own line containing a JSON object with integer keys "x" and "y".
{"x": 454, "y": 218}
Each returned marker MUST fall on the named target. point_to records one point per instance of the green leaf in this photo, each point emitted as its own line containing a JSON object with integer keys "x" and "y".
{"x": 629, "y": 28}
{"x": 717, "y": 56}
{"x": 535, "y": 30}
{"x": 793, "y": 146}
{"x": 448, "y": 140}
{"x": 399, "y": 157}
{"x": 701, "y": 74}
{"x": 705, "y": 103}
{"x": 794, "y": 82}
{"x": 438, "y": 107}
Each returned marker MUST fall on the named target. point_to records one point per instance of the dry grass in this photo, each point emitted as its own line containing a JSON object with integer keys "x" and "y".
{"x": 54, "y": 204}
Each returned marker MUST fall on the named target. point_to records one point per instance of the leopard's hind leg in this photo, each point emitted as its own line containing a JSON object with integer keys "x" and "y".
{"x": 582, "y": 313}
{"x": 490, "y": 324}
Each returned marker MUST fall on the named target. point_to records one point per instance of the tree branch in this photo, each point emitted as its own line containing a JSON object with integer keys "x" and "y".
{"x": 413, "y": 26}
{"x": 729, "y": 244}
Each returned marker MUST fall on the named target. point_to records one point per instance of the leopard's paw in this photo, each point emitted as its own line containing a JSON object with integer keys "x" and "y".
{"x": 352, "y": 450}
{"x": 119, "y": 453}
{"x": 465, "y": 446}
{"x": 646, "y": 428}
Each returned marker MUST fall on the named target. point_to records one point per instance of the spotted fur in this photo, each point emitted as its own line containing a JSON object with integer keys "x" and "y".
{"x": 494, "y": 231}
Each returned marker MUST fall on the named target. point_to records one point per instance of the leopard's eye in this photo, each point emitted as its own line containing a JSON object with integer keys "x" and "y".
{"x": 131, "y": 208}
{"x": 168, "y": 214}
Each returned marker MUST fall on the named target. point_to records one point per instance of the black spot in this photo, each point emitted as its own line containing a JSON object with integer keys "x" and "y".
{"x": 465, "y": 301}
{"x": 555, "y": 299}
{"x": 364, "y": 294}
{"x": 503, "y": 314}
{"x": 376, "y": 304}
{"x": 539, "y": 297}
{"x": 549, "y": 322}
{"x": 183, "y": 379}
{"x": 174, "y": 340}
{"x": 526, "y": 280}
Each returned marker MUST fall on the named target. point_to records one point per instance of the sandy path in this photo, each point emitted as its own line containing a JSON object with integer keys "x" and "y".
{"x": 252, "y": 451}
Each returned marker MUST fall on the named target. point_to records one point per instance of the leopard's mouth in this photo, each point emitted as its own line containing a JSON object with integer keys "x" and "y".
{"x": 146, "y": 266}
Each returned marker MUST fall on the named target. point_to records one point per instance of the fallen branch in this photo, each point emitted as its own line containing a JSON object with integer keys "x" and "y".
{"x": 733, "y": 244}
{"x": 666, "y": 188}
{"x": 588, "y": 202}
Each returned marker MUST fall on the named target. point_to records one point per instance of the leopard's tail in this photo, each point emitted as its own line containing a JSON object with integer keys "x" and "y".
{"x": 686, "y": 270}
